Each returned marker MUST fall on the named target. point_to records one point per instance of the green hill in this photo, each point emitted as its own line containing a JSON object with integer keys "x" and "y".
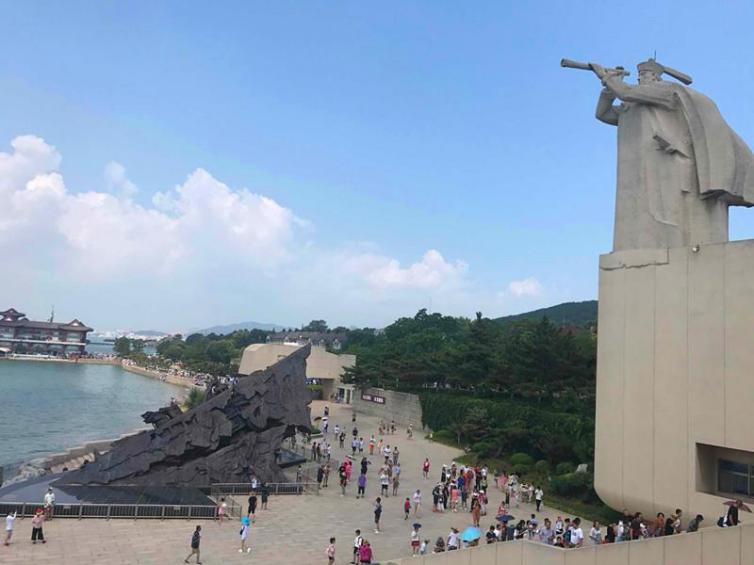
{"x": 568, "y": 313}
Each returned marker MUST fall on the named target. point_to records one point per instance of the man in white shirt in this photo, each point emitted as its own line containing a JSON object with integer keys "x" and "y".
{"x": 9, "y": 519}
{"x": 453, "y": 539}
{"x": 577, "y": 534}
{"x": 538, "y": 496}
{"x": 49, "y": 504}
{"x": 356, "y": 545}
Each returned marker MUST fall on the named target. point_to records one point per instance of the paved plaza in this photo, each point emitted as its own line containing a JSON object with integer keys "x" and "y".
{"x": 295, "y": 529}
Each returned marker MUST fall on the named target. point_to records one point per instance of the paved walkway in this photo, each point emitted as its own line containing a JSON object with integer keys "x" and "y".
{"x": 295, "y": 529}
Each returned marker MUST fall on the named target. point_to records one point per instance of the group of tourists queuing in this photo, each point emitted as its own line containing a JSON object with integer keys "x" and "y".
{"x": 41, "y": 515}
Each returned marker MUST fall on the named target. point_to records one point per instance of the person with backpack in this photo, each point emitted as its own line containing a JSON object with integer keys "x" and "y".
{"x": 330, "y": 552}
{"x": 196, "y": 539}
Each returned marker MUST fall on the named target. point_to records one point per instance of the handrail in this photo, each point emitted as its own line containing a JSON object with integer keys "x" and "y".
{"x": 89, "y": 510}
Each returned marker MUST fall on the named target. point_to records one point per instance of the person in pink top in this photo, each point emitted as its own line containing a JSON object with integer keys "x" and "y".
{"x": 365, "y": 553}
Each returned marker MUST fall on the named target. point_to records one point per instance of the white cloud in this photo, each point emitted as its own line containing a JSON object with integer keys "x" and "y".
{"x": 101, "y": 235}
{"x": 525, "y": 287}
{"x": 431, "y": 272}
{"x": 198, "y": 253}
{"x": 117, "y": 181}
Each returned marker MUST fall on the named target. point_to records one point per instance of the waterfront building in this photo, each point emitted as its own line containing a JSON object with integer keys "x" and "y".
{"x": 21, "y": 335}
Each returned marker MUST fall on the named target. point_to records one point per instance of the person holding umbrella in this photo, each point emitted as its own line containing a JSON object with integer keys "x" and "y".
{"x": 731, "y": 519}
{"x": 471, "y": 535}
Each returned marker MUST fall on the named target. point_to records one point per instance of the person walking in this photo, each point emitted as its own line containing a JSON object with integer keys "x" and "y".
{"x": 415, "y": 540}
{"x": 406, "y": 508}
{"x": 425, "y": 468}
{"x": 196, "y": 539}
{"x": 265, "y": 492}
{"x": 384, "y": 483}
{"x": 362, "y": 484}
{"x": 36, "y": 527}
{"x": 9, "y": 519}
{"x": 357, "y": 541}
{"x": 222, "y": 510}
{"x": 538, "y": 496}
{"x": 330, "y": 552}
{"x": 244, "y": 533}
{"x": 417, "y": 502}
{"x": 252, "y": 506}
{"x": 377, "y": 514}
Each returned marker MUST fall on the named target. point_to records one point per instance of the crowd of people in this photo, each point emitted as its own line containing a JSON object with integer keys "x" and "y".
{"x": 458, "y": 489}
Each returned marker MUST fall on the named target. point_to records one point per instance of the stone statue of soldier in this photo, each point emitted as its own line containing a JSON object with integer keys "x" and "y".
{"x": 679, "y": 163}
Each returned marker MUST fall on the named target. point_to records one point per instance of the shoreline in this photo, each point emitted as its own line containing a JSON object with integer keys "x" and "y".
{"x": 71, "y": 458}
{"x": 164, "y": 377}
{"x": 74, "y": 457}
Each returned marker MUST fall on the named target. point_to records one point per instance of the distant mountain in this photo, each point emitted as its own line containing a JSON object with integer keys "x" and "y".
{"x": 230, "y": 328}
{"x": 568, "y": 313}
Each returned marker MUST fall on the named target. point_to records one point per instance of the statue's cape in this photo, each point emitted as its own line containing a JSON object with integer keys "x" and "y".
{"x": 724, "y": 163}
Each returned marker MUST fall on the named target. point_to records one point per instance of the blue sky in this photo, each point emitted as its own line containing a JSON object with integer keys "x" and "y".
{"x": 346, "y": 161}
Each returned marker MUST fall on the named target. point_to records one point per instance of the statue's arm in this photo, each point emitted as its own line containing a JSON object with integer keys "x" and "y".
{"x": 606, "y": 112}
{"x": 637, "y": 94}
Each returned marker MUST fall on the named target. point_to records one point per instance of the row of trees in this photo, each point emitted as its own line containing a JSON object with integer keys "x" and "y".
{"x": 534, "y": 360}
{"x": 214, "y": 353}
{"x": 499, "y": 388}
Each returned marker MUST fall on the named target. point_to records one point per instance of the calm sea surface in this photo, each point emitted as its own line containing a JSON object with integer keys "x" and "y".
{"x": 49, "y": 407}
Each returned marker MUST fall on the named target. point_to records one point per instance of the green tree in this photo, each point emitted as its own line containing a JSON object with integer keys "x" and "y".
{"x": 122, "y": 347}
{"x": 315, "y": 326}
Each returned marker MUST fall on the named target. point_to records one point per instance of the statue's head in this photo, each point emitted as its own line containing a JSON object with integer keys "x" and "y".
{"x": 650, "y": 71}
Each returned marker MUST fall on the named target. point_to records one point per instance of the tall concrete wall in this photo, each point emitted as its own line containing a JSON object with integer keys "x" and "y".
{"x": 710, "y": 546}
{"x": 402, "y": 407}
{"x": 675, "y": 369}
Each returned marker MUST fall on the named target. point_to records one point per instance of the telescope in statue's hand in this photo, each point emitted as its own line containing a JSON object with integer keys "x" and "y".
{"x": 570, "y": 64}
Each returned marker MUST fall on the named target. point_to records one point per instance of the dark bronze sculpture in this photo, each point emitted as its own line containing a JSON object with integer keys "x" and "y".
{"x": 225, "y": 439}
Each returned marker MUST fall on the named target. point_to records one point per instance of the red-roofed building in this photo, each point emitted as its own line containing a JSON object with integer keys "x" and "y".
{"x": 21, "y": 335}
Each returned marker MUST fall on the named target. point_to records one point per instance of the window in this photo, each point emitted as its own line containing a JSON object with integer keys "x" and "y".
{"x": 735, "y": 478}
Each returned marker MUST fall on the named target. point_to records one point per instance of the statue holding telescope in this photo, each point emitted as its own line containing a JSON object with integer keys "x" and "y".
{"x": 680, "y": 165}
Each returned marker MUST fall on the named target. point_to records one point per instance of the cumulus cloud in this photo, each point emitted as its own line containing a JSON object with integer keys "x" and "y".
{"x": 104, "y": 234}
{"x": 381, "y": 272}
{"x": 525, "y": 287}
{"x": 200, "y": 251}
{"x": 117, "y": 181}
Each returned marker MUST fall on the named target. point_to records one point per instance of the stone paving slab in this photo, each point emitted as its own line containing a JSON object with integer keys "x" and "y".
{"x": 295, "y": 529}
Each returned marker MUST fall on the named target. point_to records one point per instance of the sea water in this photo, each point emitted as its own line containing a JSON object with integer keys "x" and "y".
{"x": 48, "y": 407}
